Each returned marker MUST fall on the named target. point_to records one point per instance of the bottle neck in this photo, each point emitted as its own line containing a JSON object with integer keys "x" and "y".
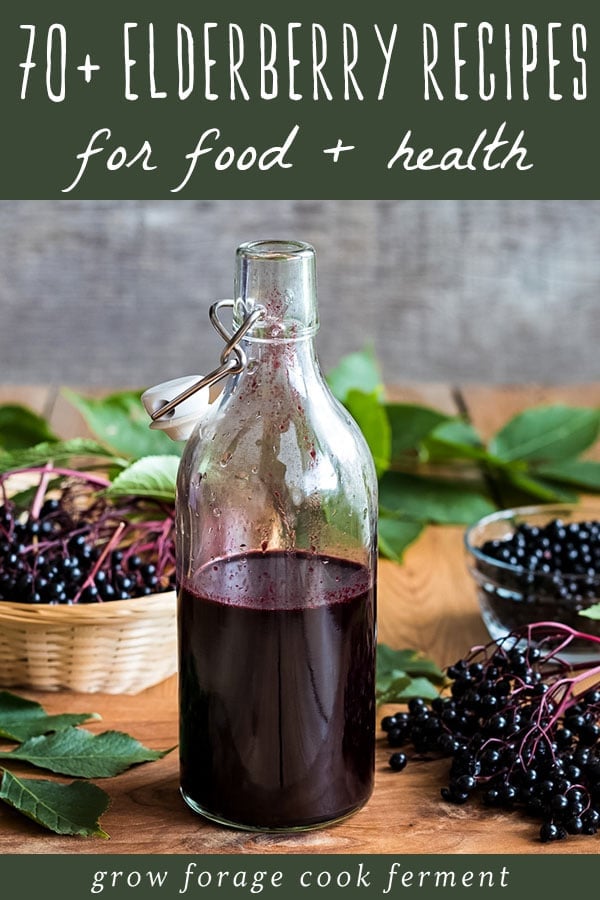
{"x": 279, "y": 278}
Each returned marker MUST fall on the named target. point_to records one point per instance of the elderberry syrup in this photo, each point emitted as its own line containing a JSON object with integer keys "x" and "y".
{"x": 276, "y": 572}
{"x": 277, "y": 699}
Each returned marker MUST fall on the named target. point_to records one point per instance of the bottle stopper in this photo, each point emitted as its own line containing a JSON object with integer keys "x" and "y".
{"x": 180, "y": 422}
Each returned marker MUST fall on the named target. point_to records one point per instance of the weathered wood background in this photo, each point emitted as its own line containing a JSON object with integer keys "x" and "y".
{"x": 113, "y": 292}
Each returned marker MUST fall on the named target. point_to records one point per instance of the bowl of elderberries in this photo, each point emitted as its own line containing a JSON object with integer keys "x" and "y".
{"x": 539, "y": 564}
{"x": 87, "y": 600}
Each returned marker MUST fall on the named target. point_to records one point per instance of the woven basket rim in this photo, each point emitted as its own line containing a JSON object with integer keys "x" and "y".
{"x": 85, "y": 613}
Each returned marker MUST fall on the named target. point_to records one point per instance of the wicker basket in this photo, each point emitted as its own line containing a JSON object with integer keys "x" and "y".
{"x": 118, "y": 647}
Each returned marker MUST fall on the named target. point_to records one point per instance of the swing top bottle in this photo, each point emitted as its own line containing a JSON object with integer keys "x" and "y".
{"x": 276, "y": 533}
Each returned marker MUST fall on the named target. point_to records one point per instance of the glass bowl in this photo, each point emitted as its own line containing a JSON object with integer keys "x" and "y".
{"x": 512, "y": 593}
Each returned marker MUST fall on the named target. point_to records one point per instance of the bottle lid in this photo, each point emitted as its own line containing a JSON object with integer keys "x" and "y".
{"x": 180, "y": 423}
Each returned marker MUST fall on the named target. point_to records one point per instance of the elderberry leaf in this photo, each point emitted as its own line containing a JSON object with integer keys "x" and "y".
{"x": 392, "y": 689}
{"x": 21, "y": 719}
{"x": 580, "y": 473}
{"x": 80, "y": 753}
{"x": 21, "y": 427}
{"x": 371, "y": 418}
{"x": 63, "y": 808}
{"x": 121, "y": 422}
{"x": 455, "y": 439}
{"x": 151, "y": 476}
{"x": 530, "y": 484}
{"x": 411, "y": 424}
{"x": 437, "y": 500}
{"x": 395, "y": 535}
{"x": 404, "y": 674}
{"x": 412, "y": 661}
{"x": 59, "y": 452}
{"x": 356, "y": 371}
{"x": 547, "y": 434}
{"x": 592, "y": 612}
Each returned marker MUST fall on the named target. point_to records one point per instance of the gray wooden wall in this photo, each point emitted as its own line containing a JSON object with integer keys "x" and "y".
{"x": 111, "y": 292}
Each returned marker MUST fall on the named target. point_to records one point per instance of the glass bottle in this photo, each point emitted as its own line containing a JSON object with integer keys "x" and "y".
{"x": 277, "y": 555}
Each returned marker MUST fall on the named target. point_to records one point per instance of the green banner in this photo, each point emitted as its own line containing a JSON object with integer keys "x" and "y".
{"x": 380, "y": 100}
{"x": 302, "y": 876}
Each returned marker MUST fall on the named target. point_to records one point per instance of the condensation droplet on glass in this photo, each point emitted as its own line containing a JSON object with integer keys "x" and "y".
{"x": 216, "y": 511}
{"x": 225, "y": 459}
{"x": 254, "y": 470}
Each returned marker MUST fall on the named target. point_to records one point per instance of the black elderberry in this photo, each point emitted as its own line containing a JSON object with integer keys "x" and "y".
{"x": 466, "y": 783}
{"x": 559, "y": 802}
{"x": 454, "y": 796}
{"x": 56, "y": 555}
{"x": 388, "y": 722}
{"x": 550, "y": 831}
{"x": 574, "y": 825}
{"x": 536, "y": 752}
{"x": 398, "y": 761}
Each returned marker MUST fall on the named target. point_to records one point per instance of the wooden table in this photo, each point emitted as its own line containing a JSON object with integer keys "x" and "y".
{"x": 427, "y": 603}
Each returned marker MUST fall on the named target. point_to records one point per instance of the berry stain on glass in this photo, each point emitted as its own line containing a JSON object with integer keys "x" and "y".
{"x": 276, "y": 571}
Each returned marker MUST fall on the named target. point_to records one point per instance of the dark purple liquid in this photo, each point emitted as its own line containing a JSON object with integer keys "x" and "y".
{"x": 277, "y": 689}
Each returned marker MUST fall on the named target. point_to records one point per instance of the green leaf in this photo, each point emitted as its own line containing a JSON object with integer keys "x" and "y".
{"x": 83, "y": 754}
{"x": 434, "y": 500}
{"x": 583, "y": 474}
{"x": 21, "y": 427}
{"x": 21, "y": 719}
{"x": 410, "y": 425}
{"x": 456, "y": 439}
{"x": 356, "y": 371}
{"x": 151, "y": 476}
{"x": 63, "y": 808}
{"x": 371, "y": 418}
{"x": 395, "y": 535}
{"x": 536, "y": 487}
{"x": 59, "y": 452}
{"x": 404, "y": 674}
{"x": 401, "y": 690}
{"x": 592, "y": 612}
{"x": 412, "y": 661}
{"x": 395, "y": 689}
{"x": 547, "y": 434}
{"x": 121, "y": 422}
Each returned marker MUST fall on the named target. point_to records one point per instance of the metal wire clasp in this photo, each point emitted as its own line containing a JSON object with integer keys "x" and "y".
{"x": 233, "y": 358}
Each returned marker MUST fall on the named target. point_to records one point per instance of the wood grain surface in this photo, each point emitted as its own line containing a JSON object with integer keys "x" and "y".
{"x": 427, "y": 603}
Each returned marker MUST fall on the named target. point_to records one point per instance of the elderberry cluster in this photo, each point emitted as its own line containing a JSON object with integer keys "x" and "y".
{"x": 56, "y": 558}
{"x": 513, "y": 738}
{"x": 554, "y": 572}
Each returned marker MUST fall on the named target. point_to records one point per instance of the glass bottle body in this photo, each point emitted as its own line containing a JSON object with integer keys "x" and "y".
{"x": 277, "y": 519}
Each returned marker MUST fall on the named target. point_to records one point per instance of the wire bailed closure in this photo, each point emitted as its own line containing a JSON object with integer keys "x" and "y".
{"x": 233, "y": 358}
